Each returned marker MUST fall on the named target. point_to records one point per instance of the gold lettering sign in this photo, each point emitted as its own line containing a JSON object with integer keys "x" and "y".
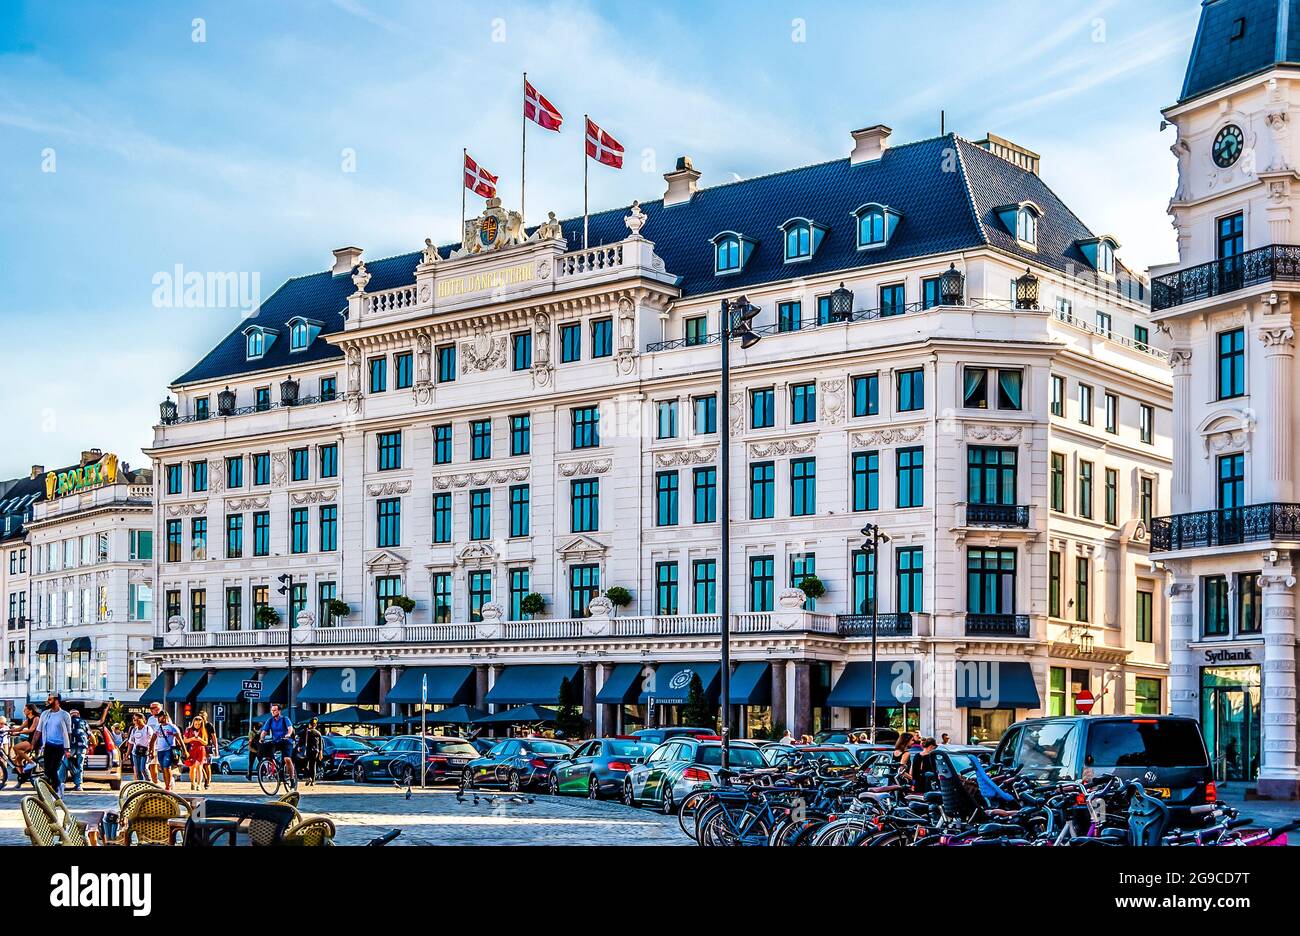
{"x": 103, "y": 471}
{"x": 478, "y": 282}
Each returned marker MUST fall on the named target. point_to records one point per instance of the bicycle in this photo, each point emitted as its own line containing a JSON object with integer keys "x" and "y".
{"x": 12, "y": 769}
{"x": 276, "y": 771}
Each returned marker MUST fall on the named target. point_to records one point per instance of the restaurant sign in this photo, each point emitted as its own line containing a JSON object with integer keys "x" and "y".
{"x": 104, "y": 471}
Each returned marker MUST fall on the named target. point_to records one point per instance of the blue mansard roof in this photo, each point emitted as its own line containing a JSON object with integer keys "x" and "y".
{"x": 1239, "y": 38}
{"x": 945, "y": 190}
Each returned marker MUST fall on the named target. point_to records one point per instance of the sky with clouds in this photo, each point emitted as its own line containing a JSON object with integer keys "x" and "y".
{"x": 133, "y": 140}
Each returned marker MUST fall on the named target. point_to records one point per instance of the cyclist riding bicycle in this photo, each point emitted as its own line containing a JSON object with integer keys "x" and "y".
{"x": 280, "y": 730}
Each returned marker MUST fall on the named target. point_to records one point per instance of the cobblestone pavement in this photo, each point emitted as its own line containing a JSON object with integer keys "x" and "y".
{"x": 432, "y": 817}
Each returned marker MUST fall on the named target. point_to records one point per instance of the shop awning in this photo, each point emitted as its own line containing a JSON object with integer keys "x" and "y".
{"x": 226, "y": 685}
{"x": 520, "y": 715}
{"x": 275, "y": 686}
{"x": 456, "y": 715}
{"x": 155, "y": 691}
{"x": 751, "y": 684}
{"x": 993, "y": 684}
{"x": 79, "y": 645}
{"x": 187, "y": 683}
{"x": 48, "y": 646}
{"x": 448, "y": 685}
{"x": 673, "y": 681}
{"x": 621, "y": 686}
{"x": 520, "y": 685}
{"x": 853, "y": 689}
{"x": 350, "y": 684}
{"x": 352, "y": 715}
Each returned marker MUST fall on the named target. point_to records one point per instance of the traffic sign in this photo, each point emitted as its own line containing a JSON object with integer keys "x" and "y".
{"x": 218, "y": 713}
{"x": 254, "y": 684}
{"x": 252, "y": 695}
{"x": 1084, "y": 701}
{"x": 903, "y": 693}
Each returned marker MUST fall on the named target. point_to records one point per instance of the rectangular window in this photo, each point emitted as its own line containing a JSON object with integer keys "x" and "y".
{"x": 378, "y": 374}
{"x": 911, "y": 476}
{"x": 390, "y": 450}
{"x": 761, "y": 583}
{"x": 329, "y": 460}
{"x": 803, "y": 403}
{"x": 1146, "y": 423}
{"x": 1085, "y": 404}
{"x": 866, "y": 480}
{"x": 1112, "y": 413}
{"x": 442, "y": 444}
{"x": 175, "y": 541}
{"x": 1249, "y": 595}
{"x": 198, "y": 476}
{"x": 299, "y": 530}
{"x": 520, "y": 434}
{"x": 329, "y": 528}
{"x": 697, "y": 330}
{"x": 911, "y": 390}
{"x": 665, "y": 498}
{"x": 706, "y": 414}
{"x": 665, "y": 588}
{"x": 1214, "y": 606}
{"x": 990, "y": 475}
{"x": 570, "y": 343}
{"x": 446, "y": 356}
{"x": 975, "y": 388}
{"x": 442, "y": 517}
{"x": 666, "y": 419}
{"x": 201, "y": 408}
{"x": 789, "y": 316}
{"x": 1105, "y": 324}
{"x": 893, "y": 299}
{"x": 704, "y": 584}
{"x": 262, "y": 533}
{"x": 584, "y": 586}
{"x": 706, "y": 494}
{"x": 234, "y": 608}
{"x": 586, "y": 427}
{"x": 521, "y": 351}
{"x": 931, "y": 292}
{"x": 480, "y": 439}
{"x": 1058, "y": 395}
{"x": 1054, "y": 584}
{"x": 405, "y": 370}
{"x": 480, "y": 514}
{"x": 480, "y": 592}
{"x": 175, "y": 479}
{"x": 584, "y": 505}
{"x": 297, "y": 600}
{"x": 1232, "y": 481}
{"x": 762, "y": 491}
{"x": 199, "y": 609}
{"x": 991, "y": 581}
{"x": 325, "y": 593}
{"x": 520, "y": 495}
{"x": 198, "y": 538}
{"x": 866, "y": 395}
{"x": 1143, "y": 618}
{"x": 518, "y": 591}
{"x": 908, "y": 571}
{"x": 762, "y": 408}
{"x": 329, "y": 388}
{"x": 1082, "y": 605}
{"x": 1146, "y": 696}
{"x": 299, "y": 464}
{"x": 1085, "y": 490}
{"x": 1232, "y": 363}
{"x": 1146, "y": 499}
{"x": 1141, "y": 337}
{"x": 1112, "y": 496}
{"x": 388, "y": 516}
{"x": 864, "y": 582}
{"x": 262, "y": 399}
{"x": 803, "y": 487}
{"x": 803, "y": 566}
{"x": 387, "y": 587}
{"x": 602, "y": 338}
{"x": 1056, "y": 690}
{"x": 262, "y": 468}
{"x": 442, "y": 597}
{"x": 235, "y": 472}
{"x": 234, "y": 536}
{"x": 1058, "y": 482}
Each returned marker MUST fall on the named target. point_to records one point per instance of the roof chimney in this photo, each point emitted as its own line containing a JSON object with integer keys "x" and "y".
{"x": 681, "y": 182}
{"x": 90, "y": 456}
{"x": 37, "y": 471}
{"x": 869, "y": 143}
{"x": 345, "y": 258}
{"x": 1026, "y": 159}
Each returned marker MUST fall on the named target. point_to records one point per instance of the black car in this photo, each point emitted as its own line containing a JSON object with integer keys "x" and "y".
{"x": 516, "y": 764}
{"x": 1165, "y": 753}
{"x": 400, "y": 759}
{"x": 338, "y": 755}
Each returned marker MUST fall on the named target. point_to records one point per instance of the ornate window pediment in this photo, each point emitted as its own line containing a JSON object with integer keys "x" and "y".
{"x": 477, "y": 554}
{"x": 1226, "y": 430}
{"x": 582, "y": 548}
{"x": 386, "y": 562}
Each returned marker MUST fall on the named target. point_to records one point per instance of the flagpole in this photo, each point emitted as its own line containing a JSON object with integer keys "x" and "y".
{"x": 523, "y": 152}
{"x": 585, "y": 160}
{"x": 464, "y": 155}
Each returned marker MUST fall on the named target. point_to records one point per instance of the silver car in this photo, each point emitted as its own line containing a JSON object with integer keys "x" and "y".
{"x": 680, "y": 766}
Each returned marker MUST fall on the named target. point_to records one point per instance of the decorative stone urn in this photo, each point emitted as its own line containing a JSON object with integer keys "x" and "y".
{"x": 789, "y": 615}
{"x": 394, "y": 623}
{"x": 304, "y": 627}
{"x": 791, "y": 599}
{"x": 175, "y": 635}
{"x": 599, "y": 624}
{"x": 491, "y": 628}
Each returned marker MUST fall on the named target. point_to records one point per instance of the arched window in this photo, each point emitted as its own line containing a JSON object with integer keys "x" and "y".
{"x": 1105, "y": 258}
{"x": 728, "y": 254}
{"x": 1027, "y": 225}
{"x": 256, "y": 344}
{"x": 871, "y": 227}
{"x": 299, "y": 336}
{"x": 798, "y": 241}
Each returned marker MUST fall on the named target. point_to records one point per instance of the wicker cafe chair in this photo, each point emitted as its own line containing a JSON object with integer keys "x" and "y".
{"x": 292, "y": 798}
{"x": 145, "y": 816}
{"x": 71, "y": 829}
{"x": 270, "y": 825}
{"x": 310, "y": 831}
{"x": 39, "y": 825}
{"x": 133, "y": 788}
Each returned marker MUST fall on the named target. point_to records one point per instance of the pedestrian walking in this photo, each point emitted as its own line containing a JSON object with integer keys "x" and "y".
{"x": 254, "y": 746}
{"x": 53, "y": 735}
{"x": 139, "y": 742}
{"x": 196, "y": 751}
{"x": 167, "y": 743}
{"x": 78, "y": 745}
{"x": 903, "y": 755}
{"x": 210, "y": 744}
{"x": 155, "y": 710}
{"x": 924, "y": 768}
{"x": 943, "y": 738}
{"x": 313, "y": 746}
{"x": 788, "y": 738}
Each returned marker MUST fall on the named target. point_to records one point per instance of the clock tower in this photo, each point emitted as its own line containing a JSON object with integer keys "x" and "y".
{"x": 1232, "y": 545}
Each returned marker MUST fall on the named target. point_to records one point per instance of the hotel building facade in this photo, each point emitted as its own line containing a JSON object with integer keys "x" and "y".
{"x": 947, "y": 352}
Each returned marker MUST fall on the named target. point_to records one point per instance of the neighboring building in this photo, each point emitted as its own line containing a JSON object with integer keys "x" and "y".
{"x": 1227, "y": 306}
{"x": 466, "y": 428}
{"x": 90, "y": 564}
{"x": 17, "y": 505}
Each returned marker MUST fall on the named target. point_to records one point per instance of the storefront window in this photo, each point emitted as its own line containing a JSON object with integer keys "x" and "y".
{"x": 1230, "y": 703}
{"x": 1056, "y": 691}
{"x": 989, "y": 724}
{"x": 1146, "y": 696}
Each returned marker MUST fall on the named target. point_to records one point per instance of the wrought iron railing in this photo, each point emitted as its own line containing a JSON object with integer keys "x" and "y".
{"x": 1274, "y": 263}
{"x": 255, "y": 408}
{"x": 1226, "y": 527}
{"x": 997, "y": 625}
{"x": 896, "y": 624}
{"x": 1000, "y": 515}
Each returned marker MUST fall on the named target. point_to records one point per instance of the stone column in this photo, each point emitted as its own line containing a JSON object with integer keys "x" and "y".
{"x": 779, "y": 723}
{"x": 480, "y": 684}
{"x": 1278, "y": 776}
{"x": 589, "y": 695}
{"x": 802, "y": 699}
{"x": 1279, "y": 360}
{"x": 1183, "y": 677}
{"x": 1184, "y": 403}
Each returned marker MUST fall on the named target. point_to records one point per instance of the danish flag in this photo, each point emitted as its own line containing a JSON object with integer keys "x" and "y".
{"x": 539, "y": 110}
{"x": 602, "y": 147}
{"x": 478, "y": 180}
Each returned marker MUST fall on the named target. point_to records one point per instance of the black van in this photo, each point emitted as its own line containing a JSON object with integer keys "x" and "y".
{"x": 1165, "y": 753}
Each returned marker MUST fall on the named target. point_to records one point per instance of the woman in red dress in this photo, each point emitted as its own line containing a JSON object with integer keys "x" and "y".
{"x": 196, "y": 751}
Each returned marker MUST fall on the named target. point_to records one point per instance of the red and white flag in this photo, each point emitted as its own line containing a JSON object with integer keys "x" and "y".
{"x": 539, "y": 110}
{"x": 478, "y": 180}
{"x": 602, "y": 147}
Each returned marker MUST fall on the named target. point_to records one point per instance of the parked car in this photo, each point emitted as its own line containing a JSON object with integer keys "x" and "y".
{"x": 841, "y": 735}
{"x": 682, "y": 765}
{"x": 660, "y": 735}
{"x": 1165, "y": 753}
{"x": 232, "y": 757}
{"x": 597, "y": 767}
{"x": 400, "y": 759}
{"x": 832, "y": 757}
{"x": 338, "y": 756}
{"x": 483, "y": 745}
{"x": 862, "y": 752}
{"x": 516, "y": 764}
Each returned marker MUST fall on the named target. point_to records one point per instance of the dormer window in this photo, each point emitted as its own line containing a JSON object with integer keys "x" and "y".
{"x": 1021, "y": 219}
{"x": 1106, "y": 258}
{"x": 876, "y": 224}
{"x": 299, "y": 336}
{"x": 254, "y": 343}
{"x": 1026, "y": 226}
{"x": 802, "y": 238}
{"x": 1100, "y": 252}
{"x": 731, "y": 251}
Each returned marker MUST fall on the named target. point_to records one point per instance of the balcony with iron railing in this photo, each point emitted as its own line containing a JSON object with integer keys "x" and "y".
{"x": 893, "y": 624}
{"x": 997, "y": 515}
{"x": 1276, "y": 263}
{"x": 997, "y": 625}
{"x": 1229, "y": 526}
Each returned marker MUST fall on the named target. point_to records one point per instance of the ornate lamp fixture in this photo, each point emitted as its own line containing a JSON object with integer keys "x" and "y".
{"x": 167, "y": 410}
{"x": 288, "y": 391}
{"x": 1027, "y": 291}
{"x": 226, "y": 402}
{"x": 952, "y": 286}
{"x": 841, "y": 304}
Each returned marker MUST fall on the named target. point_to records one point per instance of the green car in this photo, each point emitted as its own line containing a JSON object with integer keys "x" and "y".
{"x": 597, "y": 767}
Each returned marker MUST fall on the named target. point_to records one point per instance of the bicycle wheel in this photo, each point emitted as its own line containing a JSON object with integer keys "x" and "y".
{"x": 718, "y": 829}
{"x": 690, "y": 806}
{"x": 268, "y": 778}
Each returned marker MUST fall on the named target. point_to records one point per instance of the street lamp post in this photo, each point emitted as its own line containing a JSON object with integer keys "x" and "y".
{"x": 286, "y": 588}
{"x": 737, "y": 316}
{"x": 871, "y": 546}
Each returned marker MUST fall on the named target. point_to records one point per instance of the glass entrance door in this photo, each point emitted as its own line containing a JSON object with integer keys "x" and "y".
{"x": 1230, "y": 703}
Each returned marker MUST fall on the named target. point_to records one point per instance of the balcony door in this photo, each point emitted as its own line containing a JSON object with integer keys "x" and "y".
{"x": 1230, "y": 243}
{"x": 991, "y": 477}
{"x": 991, "y": 581}
{"x": 1231, "y": 496}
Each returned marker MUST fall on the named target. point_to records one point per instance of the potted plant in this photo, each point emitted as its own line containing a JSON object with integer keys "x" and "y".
{"x": 337, "y": 608}
{"x": 812, "y": 586}
{"x": 619, "y": 596}
{"x": 267, "y": 616}
{"x": 406, "y": 604}
{"x": 532, "y": 604}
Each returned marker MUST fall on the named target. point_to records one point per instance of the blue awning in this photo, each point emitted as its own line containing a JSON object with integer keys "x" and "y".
{"x": 187, "y": 684}
{"x": 351, "y": 684}
{"x": 47, "y": 647}
{"x": 80, "y": 645}
{"x": 275, "y": 686}
{"x": 155, "y": 691}
{"x": 992, "y": 684}
{"x": 673, "y": 681}
{"x": 751, "y": 684}
{"x": 448, "y": 685}
{"x": 226, "y": 685}
{"x": 520, "y": 685}
{"x": 621, "y": 686}
{"x": 853, "y": 689}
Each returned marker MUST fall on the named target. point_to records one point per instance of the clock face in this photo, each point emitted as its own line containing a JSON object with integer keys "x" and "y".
{"x": 1228, "y": 144}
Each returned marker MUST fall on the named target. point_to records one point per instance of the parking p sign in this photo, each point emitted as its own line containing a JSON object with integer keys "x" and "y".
{"x": 218, "y": 713}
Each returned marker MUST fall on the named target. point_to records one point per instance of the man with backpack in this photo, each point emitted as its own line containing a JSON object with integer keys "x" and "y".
{"x": 277, "y": 735}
